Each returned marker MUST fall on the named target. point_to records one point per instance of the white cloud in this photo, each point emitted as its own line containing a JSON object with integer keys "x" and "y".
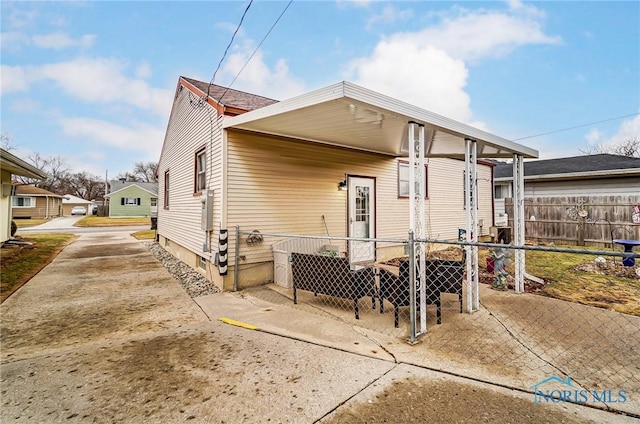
{"x": 389, "y": 15}
{"x": 98, "y": 80}
{"x": 13, "y": 78}
{"x": 629, "y": 129}
{"x": 143, "y": 70}
{"x": 138, "y": 136}
{"x": 421, "y": 75}
{"x": 476, "y": 35}
{"x": 257, "y": 77}
{"x": 26, "y": 105}
{"x": 13, "y": 41}
{"x": 429, "y": 68}
{"x": 59, "y": 40}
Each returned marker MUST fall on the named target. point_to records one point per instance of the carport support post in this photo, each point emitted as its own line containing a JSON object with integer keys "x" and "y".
{"x": 518, "y": 221}
{"x": 471, "y": 203}
{"x": 417, "y": 213}
{"x": 412, "y": 289}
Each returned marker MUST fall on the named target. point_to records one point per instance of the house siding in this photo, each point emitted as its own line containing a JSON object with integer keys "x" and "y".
{"x": 592, "y": 187}
{"x": 277, "y": 185}
{"x": 284, "y": 186}
{"x": 191, "y": 127}
{"x": 143, "y": 209}
{"x": 40, "y": 211}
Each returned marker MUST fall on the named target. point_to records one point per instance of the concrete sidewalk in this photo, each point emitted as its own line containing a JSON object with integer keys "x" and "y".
{"x": 104, "y": 334}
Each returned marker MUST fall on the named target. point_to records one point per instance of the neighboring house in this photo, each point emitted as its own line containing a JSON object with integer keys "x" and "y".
{"x": 133, "y": 199}
{"x": 12, "y": 165}
{"x": 276, "y": 167}
{"x": 69, "y": 201}
{"x": 31, "y": 202}
{"x": 587, "y": 175}
{"x": 605, "y": 188}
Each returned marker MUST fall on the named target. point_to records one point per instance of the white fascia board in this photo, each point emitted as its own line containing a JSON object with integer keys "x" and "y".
{"x": 332, "y": 92}
{"x": 412, "y": 113}
{"x": 434, "y": 120}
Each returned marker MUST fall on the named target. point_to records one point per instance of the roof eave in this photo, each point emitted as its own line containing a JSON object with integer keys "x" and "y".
{"x": 495, "y": 146}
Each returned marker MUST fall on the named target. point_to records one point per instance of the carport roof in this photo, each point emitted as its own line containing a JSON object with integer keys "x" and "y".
{"x": 347, "y": 115}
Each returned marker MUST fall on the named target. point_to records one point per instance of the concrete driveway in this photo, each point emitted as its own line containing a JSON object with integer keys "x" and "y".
{"x": 66, "y": 224}
{"x": 104, "y": 334}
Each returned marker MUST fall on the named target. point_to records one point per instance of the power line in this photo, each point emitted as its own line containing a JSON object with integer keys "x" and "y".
{"x": 577, "y": 126}
{"x": 256, "y": 49}
{"x": 228, "y": 46}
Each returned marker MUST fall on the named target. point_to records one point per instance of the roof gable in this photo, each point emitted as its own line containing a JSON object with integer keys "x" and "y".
{"x": 148, "y": 188}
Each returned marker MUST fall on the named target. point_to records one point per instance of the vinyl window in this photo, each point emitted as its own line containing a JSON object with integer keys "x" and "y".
{"x": 23, "y": 202}
{"x": 403, "y": 180}
{"x": 201, "y": 171}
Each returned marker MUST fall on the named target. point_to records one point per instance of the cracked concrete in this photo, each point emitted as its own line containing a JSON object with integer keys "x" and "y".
{"x": 113, "y": 338}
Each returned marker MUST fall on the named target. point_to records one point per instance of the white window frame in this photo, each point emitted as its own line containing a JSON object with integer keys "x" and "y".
{"x": 131, "y": 201}
{"x": 405, "y": 165}
{"x": 32, "y": 202}
{"x": 201, "y": 171}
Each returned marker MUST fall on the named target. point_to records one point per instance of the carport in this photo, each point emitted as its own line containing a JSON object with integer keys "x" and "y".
{"x": 350, "y": 116}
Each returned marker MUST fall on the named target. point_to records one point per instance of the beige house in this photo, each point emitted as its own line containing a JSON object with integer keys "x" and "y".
{"x": 31, "y": 202}
{"x": 236, "y": 159}
{"x": 12, "y": 165}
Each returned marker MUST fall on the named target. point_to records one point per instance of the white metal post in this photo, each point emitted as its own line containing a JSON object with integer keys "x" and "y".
{"x": 518, "y": 221}
{"x": 471, "y": 215}
{"x": 417, "y": 211}
{"x": 421, "y": 221}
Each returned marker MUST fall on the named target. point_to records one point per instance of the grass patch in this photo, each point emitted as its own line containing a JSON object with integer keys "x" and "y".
{"x": 564, "y": 281}
{"x": 24, "y": 223}
{"x": 102, "y": 221}
{"x": 145, "y": 235}
{"x": 18, "y": 264}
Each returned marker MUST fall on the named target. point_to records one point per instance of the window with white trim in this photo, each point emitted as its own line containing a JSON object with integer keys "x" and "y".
{"x": 23, "y": 202}
{"x": 201, "y": 171}
{"x": 130, "y": 201}
{"x": 403, "y": 180}
{"x": 166, "y": 190}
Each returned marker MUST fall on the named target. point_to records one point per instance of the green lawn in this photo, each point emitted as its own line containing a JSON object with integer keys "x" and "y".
{"x": 101, "y": 221}
{"x": 563, "y": 281}
{"x": 18, "y": 264}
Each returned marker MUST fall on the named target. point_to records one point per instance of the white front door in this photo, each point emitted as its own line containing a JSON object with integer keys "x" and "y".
{"x": 362, "y": 208}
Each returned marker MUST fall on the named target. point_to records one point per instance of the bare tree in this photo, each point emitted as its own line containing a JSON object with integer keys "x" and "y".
{"x": 84, "y": 185}
{"x": 629, "y": 148}
{"x": 144, "y": 172}
{"x": 6, "y": 142}
{"x": 54, "y": 166}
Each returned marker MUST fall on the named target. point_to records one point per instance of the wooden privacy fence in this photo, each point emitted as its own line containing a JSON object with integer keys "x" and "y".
{"x": 579, "y": 220}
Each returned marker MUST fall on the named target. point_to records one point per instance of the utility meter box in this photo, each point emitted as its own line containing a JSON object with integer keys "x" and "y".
{"x": 207, "y": 210}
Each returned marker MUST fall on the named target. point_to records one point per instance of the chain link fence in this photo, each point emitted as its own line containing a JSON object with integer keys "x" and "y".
{"x": 578, "y": 317}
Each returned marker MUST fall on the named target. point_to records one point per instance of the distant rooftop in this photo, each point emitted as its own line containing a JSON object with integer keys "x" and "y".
{"x": 31, "y": 190}
{"x": 576, "y": 164}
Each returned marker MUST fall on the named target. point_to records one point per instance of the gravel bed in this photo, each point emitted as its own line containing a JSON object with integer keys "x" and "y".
{"x": 192, "y": 281}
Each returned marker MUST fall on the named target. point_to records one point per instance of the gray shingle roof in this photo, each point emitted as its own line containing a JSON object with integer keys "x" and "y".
{"x": 587, "y": 163}
{"x": 233, "y": 98}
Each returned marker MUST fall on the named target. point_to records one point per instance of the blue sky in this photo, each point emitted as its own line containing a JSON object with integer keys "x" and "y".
{"x": 93, "y": 82}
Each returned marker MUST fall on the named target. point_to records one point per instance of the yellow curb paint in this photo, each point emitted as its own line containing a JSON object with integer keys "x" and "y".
{"x": 238, "y": 323}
